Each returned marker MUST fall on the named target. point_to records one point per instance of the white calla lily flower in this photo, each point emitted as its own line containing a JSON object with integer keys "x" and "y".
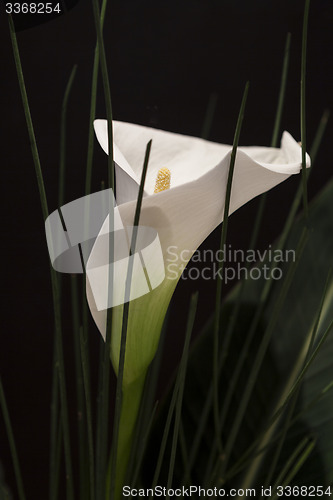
{"x": 195, "y": 173}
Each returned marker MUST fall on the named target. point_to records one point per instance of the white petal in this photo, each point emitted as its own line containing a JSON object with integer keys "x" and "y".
{"x": 186, "y": 214}
{"x": 286, "y": 159}
{"x": 187, "y": 158}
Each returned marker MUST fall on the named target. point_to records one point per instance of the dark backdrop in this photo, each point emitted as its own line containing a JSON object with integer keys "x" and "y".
{"x": 165, "y": 60}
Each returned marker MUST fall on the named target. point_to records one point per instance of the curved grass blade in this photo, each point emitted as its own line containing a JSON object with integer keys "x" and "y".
{"x": 218, "y": 296}
{"x": 92, "y": 116}
{"x": 282, "y": 93}
{"x": 106, "y": 88}
{"x": 62, "y": 162}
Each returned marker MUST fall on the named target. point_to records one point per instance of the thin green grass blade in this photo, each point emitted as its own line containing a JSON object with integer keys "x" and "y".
{"x": 298, "y": 465}
{"x": 100, "y": 443}
{"x": 57, "y": 462}
{"x": 10, "y": 434}
{"x": 81, "y": 409}
{"x": 154, "y": 372}
{"x": 165, "y": 435}
{"x": 182, "y": 375}
{"x": 280, "y": 442}
{"x": 198, "y": 437}
{"x": 102, "y": 409}
{"x": 62, "y": 386}
{"x": 55, "y": 288}
{"x": 75, "y": 308}
{"x": 119, "y": 388}
{"x": 92, "y": 116}
{"x": 54, "y": 430}
{"x": 106, "y": 88}
{"x": 102, "y": 402}
{"x": 294, "y": 464}
{"x": 87, "y": 391}
{"x": 298, "y": 450}
{"x": 282, "y": 93}
{"x": 103, "y": 441}
{"x": 303, "y": 106}
{"x": 143, "y": 446}
{"x": 34, "y": 150}
{"x": 62, "y": 162}
{"x": 218, "y": 296}
{"x": 254, "y": 237}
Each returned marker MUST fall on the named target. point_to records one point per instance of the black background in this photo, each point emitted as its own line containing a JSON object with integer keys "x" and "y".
{"x": 165, "y": 59}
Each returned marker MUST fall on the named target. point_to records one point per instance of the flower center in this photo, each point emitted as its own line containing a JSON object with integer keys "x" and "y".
{"x": 162, "y": 180}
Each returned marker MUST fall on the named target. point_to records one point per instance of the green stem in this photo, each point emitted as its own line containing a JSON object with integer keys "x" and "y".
{"x": 131, "y": 398}
{"x": 121, "y": 388}
{"x": 303, "y": 107}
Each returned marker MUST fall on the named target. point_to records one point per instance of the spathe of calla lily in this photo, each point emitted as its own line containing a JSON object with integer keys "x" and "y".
{"x": 196, "y": 173}
{"x": 183, "y": 215}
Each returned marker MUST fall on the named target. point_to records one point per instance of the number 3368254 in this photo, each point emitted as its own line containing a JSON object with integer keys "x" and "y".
{"x": 32, "y": 8}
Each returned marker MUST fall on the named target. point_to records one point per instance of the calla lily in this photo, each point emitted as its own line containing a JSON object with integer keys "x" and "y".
{"x": 183, "y": 215}
{"x": 194, "y": 173}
